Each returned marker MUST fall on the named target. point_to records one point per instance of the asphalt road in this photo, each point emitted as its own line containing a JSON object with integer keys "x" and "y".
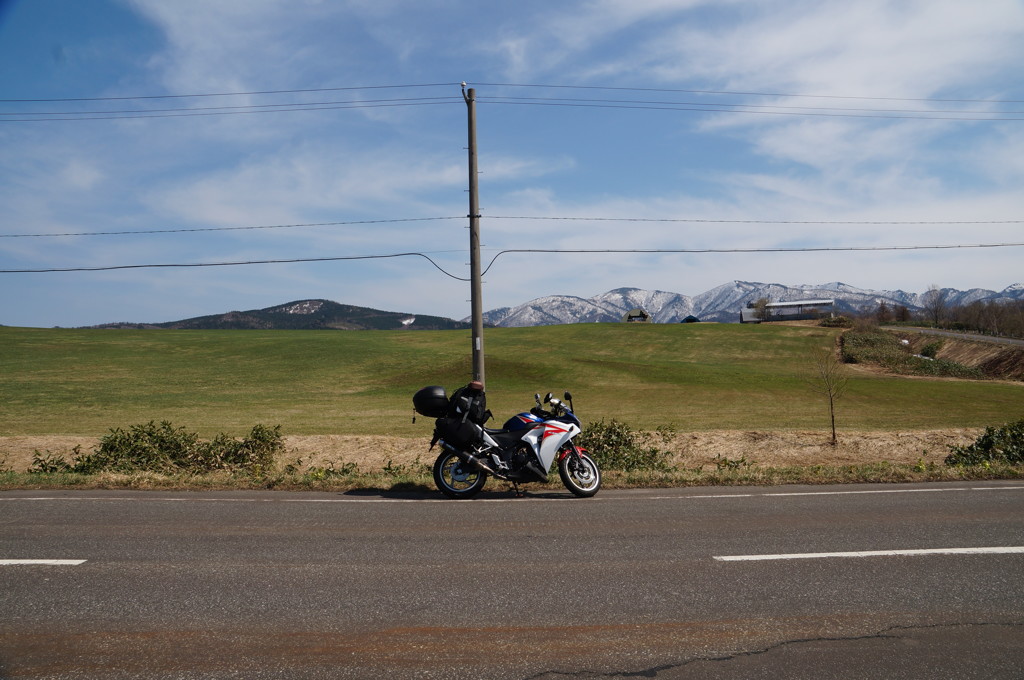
{"x": 648, "y": 584}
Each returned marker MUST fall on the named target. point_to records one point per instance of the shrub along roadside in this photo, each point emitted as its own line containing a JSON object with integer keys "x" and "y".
{"x": 1003, "y": 444}
{"x": 616, "y": 446}
{"x": 164, "y": 457}
{"x": 166, "y": 449}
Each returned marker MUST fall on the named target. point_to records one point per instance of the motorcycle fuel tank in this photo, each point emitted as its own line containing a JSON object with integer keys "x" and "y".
{"x": 521, "y": 421}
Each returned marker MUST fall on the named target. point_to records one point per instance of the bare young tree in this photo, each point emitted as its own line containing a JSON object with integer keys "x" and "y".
{"x": 883, "y": 313}
{"x": 829, "y": 377}
{"x": 934, "y": 304}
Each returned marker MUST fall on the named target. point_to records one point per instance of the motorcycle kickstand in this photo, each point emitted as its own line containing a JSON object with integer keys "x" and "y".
{"x": 517, "y": 491}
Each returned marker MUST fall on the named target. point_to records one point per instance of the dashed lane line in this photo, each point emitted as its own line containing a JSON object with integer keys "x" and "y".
{"x": 873, "y": 553}
{"x": 49, "y": 563}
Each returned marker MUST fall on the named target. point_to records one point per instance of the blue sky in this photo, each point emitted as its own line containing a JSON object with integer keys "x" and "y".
{"x": 679, "y": 124}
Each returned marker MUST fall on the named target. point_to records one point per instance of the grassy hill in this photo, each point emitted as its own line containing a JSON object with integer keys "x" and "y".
{"x": 691, "y": 376}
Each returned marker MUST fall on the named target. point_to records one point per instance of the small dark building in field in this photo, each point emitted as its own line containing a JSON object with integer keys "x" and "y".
{"x": 637, "y": 316}
{"x": 691, "y": 319}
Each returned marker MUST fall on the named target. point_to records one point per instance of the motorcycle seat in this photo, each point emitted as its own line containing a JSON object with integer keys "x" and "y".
{"x": 492, "y": 431}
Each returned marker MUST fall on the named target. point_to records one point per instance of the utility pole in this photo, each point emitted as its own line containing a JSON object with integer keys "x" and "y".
{"x": 476, "y": 285}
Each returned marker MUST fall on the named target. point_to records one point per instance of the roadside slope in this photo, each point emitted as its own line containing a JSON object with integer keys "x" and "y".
{"x": 1001, "y": 358}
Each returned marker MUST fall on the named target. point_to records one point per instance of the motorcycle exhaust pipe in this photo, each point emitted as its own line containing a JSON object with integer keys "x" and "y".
{"x": 535, "y": 469}
{"x": 469, "y": 458}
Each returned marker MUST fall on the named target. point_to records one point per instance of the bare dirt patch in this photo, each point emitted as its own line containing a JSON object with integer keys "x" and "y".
{"x": 689, "y": 449}
{"x": 16, "y": 452}
{"x": 784, "y": 449}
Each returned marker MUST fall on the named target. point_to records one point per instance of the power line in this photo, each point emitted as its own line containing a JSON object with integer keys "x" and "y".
{"x": 680, "y": 220}
{"x": 701, "y": 251}
{"x": 229, "y": 94}
{"x": 230, "y": 109}
{"x": 716, "y": 221}
{"x": 185, "y": 113}
{"x": 512, "y": 251}
{"x": 208, "y": 229}
{"x": 519, "y": 85}
{"x": 708, "y": 109}
{"x": 230, "y": 264}
{"x": 782, "y": 107}
{"x": 752, "y": 94}
{"x": 50, "y": 116}
{"x": 635, "y": 104}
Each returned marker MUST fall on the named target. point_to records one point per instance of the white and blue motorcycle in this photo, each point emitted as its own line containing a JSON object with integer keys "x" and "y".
{"x": 522, "y": 451}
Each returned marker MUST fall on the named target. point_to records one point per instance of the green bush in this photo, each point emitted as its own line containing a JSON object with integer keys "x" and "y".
{"x": 944, "y": 368}
{"x": 149, "y": 447}
{"x": 931, "y": 349}
{"x": 253, "y": 453}
{"x": 998, "y": 444}
{"x": 166, "y": 449}
{"x": 836, "y": 322}
{"x": 616, "y": 446}
{"x": 873, "y": 346}
{"x": 49, "y": 463}
{"x": 333, "y": 471}
{"x": 723, "y": 463}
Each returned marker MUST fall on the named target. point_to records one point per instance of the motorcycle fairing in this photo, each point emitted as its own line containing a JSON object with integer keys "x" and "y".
{"x": 547, "y": 438}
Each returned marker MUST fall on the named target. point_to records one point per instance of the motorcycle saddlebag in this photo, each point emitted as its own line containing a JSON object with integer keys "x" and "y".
{"x": 468, "y": 404}
{"x": 431, "y": 401}
{"x": 458, "y": 432}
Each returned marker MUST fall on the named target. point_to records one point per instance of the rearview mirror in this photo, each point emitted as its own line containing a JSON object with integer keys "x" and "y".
{"x": 547, "y": 398}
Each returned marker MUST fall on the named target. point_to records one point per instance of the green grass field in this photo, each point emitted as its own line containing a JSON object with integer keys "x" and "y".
{"x": 690, "y": 376}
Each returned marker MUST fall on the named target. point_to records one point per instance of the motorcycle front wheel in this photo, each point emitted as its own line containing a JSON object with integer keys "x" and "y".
{"x": 456, "y": 479}
{"x": 580, "y": 474}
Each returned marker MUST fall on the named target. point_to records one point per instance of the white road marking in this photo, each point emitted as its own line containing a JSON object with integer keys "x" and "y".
{"x": 844, "y": 493}
{"x": 51, "y": 563}
{"x": 559, "y": 499}
{"x": 873, "y": 553}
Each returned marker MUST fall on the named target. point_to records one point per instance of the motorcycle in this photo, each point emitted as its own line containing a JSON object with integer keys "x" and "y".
{"x": 522, "y": 451}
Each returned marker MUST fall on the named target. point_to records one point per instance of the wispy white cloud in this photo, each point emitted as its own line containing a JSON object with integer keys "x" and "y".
{"x": 559, "y": 41}
{"x": 231, "y": 45}
{"x": 875, "y": 48}
{"x": 297, "y": 183}
{"x": 245, "y": 170}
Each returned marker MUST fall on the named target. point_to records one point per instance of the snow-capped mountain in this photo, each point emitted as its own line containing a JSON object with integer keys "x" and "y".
{"x": 720, "y": 304}
{"x": 663, "y": 306}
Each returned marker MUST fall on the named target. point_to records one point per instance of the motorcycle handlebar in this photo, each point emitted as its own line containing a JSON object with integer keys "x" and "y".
{"x": 558, "y": 407}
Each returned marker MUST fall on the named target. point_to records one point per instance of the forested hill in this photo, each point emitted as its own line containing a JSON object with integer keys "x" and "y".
{"x": 307, "y": 315}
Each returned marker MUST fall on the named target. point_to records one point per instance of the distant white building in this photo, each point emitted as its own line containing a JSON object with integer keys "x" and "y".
{"x": 789, "y": 311}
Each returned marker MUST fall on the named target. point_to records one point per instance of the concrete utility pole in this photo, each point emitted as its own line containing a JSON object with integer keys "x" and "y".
{"x": 476, "y": 285}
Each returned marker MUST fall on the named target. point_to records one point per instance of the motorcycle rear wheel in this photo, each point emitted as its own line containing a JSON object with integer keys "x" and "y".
{"x": 456, "y": 479}
{"x": 580, "y": 474}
